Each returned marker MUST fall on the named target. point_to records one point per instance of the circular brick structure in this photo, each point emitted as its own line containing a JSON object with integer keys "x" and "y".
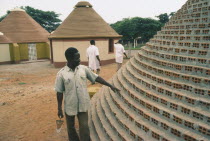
{"x": 165, "y": 87}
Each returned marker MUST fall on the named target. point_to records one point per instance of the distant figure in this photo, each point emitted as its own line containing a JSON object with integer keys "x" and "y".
{"x": 94, "y": 62}
{"x": 71, "y": 84}
{"x": 119, "y": 51}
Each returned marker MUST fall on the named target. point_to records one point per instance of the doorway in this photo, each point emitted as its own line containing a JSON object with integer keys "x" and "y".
{"x": 32, "y": 54}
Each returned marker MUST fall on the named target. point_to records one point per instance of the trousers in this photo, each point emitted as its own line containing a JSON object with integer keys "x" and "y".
{"x": 119, "y": 65}
{"x": 84, "y": 133}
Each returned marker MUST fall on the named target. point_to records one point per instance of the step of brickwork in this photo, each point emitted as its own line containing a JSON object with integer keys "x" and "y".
{"x": 156, "y": 117}
{"x": 105, "y": 121}
{"x": 165, "y": 87}
{"x": 112, "y": 118}
{"x": 130, "y": 123}
{"x": 195, "y": 97}
{"x": 172, "y": 62}
{"x": 96, "y": 122}
{"x": 181, "y": 74}
{"x": 143, "y": 49}
{"x": 138, "y": 119}
{"x": 170, "y": 100}
{"x": 93, "y": 133}
{"x": 180, "y": 115}
{"x": 172, "y": 80}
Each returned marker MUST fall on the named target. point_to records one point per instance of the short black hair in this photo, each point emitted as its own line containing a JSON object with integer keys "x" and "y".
{"x": 120, "y": 41}
{"x": 69, "y": 53}
{"x": 92, "y": 42}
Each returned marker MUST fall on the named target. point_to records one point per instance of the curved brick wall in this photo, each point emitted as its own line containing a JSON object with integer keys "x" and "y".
{"x": 165, "y": 87}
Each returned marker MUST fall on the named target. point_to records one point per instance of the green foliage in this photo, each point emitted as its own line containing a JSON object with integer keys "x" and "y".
{"x": 138, "y": 47}
{"x": 164, "y": 18}
{"x": 132, "y": 28}
{"x": 2, "y": 17}
{"x": 47, "y": 19}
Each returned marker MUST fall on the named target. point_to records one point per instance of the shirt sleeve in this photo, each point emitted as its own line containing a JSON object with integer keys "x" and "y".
{"x": 97, "y": 52}
{"x": 87, "y": 53}
{"x": 90, "y": 75}
{"x": 59, "y": 84}
{"x": 123, "y": 49}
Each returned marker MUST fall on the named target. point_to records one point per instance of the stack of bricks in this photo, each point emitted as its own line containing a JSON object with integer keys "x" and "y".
{"x": 165, "y": 88}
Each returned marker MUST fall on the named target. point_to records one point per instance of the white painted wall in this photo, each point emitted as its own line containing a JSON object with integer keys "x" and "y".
{"x": 4, "y": 53}
{"x": 60, "y": 47}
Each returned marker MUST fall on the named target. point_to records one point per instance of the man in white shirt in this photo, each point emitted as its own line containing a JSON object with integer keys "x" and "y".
{"x": 119, "y": 51}
{"x": 92, "y": 54}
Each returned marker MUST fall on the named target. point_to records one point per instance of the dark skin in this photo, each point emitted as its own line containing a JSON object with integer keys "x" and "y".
{"x": 125, "y": 55}
{"x": 73, "y": 63}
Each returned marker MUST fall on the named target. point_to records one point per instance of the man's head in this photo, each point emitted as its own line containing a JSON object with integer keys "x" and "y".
{"x": 92, "y": 42}
{"x": 119, "y": 42}
{"x": 72, "y": 56}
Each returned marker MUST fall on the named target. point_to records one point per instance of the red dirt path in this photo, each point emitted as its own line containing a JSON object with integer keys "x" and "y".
{"x": 28, "y": 106}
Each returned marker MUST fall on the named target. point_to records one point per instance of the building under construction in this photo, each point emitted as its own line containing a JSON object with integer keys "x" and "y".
{"x": 165, "y": 88}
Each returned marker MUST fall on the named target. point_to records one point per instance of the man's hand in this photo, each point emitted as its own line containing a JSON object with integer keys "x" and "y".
{"x": 102, "y": 81}
{"x": 114, "y": 89}
{"x": 60, "y": 113}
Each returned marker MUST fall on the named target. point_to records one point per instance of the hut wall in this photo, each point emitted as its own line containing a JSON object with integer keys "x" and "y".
{"x": 60, "y": 46}
{"x": 43, "y": 50}
{"x": 23, "y": 51}
{"x": 4, "y": 53}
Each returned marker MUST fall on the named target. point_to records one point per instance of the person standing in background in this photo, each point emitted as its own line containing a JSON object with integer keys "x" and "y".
{"x": 92, "y": 54}
{"x": 119, "y": 51}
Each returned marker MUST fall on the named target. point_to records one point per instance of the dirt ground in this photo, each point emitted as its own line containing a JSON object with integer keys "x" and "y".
{"x": 28, "y": 105}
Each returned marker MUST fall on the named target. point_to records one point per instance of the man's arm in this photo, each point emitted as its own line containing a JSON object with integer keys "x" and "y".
{"x": 125, "y": 55}
{"x": 98, "y": 59}
{"x": 60, "y": 100}
{"x": 102, "y": 81}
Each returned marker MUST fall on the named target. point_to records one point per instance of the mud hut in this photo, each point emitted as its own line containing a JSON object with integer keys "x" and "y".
{"x": 29, "y": 40}
{"x": 82, "y": 25}
{"x": 5, "y": 44}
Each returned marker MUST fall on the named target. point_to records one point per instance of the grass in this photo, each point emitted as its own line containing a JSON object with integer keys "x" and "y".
{"x": 21, "y": 83}
{"x": 138, "y": 47}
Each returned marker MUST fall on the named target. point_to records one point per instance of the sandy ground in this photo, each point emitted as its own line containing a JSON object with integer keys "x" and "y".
{"x": 28, "y": 105}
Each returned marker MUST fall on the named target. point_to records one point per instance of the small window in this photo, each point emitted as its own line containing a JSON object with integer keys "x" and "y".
{"x": 111, "y": 45}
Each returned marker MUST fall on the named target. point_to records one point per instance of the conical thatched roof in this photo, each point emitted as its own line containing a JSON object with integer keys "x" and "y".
{"x": 84, "y": 22}
{"x": 19, "y": 27}
{"x": 4, "y": 39}
{"x": 164, "y": 89}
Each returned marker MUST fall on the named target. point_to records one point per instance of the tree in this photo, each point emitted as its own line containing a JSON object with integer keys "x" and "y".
{"x": 47, "y": 19}
{"x": 2, "y": 17}
{"x": 164, "y": 18}
{"x": 132, "y": 28}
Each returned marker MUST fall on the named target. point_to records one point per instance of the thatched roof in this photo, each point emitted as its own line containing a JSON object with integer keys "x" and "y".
{"x": 19, "y": 27}
{"x": 84, "y": 22}
{"x": 4, "y": 39}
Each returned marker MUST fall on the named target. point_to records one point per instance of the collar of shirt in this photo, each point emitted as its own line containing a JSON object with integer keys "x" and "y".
{"x": 69, "y": 69}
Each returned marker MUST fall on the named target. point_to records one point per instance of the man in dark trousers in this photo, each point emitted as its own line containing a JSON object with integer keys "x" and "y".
{"x": 71, "y": 83}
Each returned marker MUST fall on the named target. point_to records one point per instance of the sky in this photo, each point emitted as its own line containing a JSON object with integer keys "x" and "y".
{"x": 110, "y": 10}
